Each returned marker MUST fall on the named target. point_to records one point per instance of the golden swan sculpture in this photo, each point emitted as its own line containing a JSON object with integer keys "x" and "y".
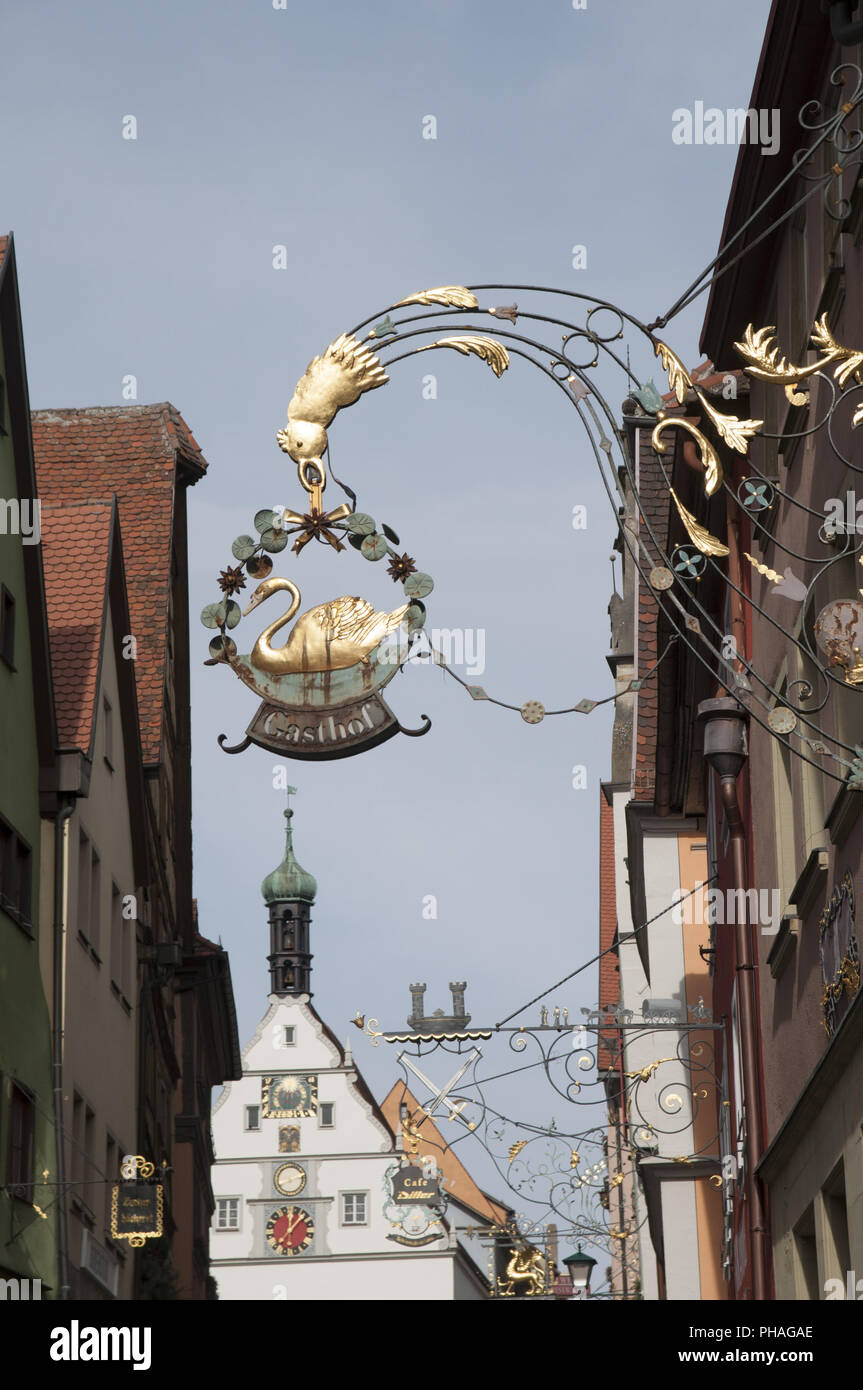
{"x": 330, "y": 637}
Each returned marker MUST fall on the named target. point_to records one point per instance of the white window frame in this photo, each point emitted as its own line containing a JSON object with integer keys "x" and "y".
{"x": 343, "y": 1214}
{"x": 253, "y": 1129}
{"x": 332, "y": 1106}
{"x": 239, "y": 1213}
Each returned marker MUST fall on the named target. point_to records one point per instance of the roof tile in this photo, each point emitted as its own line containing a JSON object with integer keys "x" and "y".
{"x": 132, "y": 451}
{"x": 75, "y": 545}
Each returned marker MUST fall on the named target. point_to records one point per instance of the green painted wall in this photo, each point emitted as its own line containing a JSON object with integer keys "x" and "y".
{"x": 25, "y": 1027}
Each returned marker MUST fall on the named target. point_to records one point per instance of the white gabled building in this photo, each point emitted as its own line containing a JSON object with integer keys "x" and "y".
{"x": 308, "y": 1172}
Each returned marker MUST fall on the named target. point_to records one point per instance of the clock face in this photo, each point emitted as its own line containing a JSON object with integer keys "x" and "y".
{"x": 290, "y": 1179}
{"x": 290, "y": 1230}
{"x": 289, "y": 1097}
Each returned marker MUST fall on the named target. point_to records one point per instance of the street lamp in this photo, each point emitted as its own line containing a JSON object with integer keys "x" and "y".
{"x": 579, "y": 1268}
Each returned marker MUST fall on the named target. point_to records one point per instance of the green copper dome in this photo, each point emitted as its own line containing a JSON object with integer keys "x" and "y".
{"x": 289, "y": 882}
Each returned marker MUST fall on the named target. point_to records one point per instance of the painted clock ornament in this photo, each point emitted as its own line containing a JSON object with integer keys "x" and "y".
{"x": 290, "y": 1230}
{"x": 289, "y": 1097}
{"x": 289, "y": 1179}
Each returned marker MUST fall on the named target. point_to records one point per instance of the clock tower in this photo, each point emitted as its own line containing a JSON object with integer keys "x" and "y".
{"x": 289, "y": 893}
{"x": 310, "y": 1171}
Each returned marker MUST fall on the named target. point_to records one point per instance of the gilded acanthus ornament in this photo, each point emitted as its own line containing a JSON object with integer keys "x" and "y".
{"x": 735, "y": 432}
{"x": 495, "y": 354}
{"x": 699, "y": 535}
{"x": 454, "y": 295}
{"x": 766, "y": 361}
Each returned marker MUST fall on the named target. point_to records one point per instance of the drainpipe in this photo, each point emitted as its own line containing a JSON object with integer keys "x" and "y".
{"x": 726, "y": 750}
{"x": 60, "y": 821}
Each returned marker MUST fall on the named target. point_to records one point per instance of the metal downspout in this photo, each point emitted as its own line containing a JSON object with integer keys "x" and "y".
{"x": 60, "y": 821}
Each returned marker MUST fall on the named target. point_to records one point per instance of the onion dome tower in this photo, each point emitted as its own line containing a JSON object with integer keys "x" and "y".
{"x": 289, "y": 893}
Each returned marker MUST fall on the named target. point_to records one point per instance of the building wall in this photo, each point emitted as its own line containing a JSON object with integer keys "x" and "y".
{"x": 811, "y": 266}
{"x": 27, "y": 1242}
{"x": 422, "y": 1278}
{"x": 100, "y": 999}
{"x": 341, "y": 1261}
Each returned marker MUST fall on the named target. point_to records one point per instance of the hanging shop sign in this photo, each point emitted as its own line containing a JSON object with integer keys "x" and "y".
{"x": 415, "y": 1200}
{"x": 137, "y": 1205}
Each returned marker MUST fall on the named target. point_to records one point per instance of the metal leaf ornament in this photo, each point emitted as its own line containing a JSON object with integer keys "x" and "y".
{"x": 491, "y": 352}
{"x": 455, "y": 295}
{"x": 766, "y": 361}
{"x": 699, "y": 535}
{"x": 734, "y": 431}
{"x": 713, "y": 473}
{"x": 678, "y": 377}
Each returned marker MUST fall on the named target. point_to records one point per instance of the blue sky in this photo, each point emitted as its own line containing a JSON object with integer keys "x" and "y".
{"x": 303, "y": 128}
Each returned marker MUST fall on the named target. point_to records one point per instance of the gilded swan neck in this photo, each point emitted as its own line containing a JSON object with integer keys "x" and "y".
{"x": 264, "y": 642}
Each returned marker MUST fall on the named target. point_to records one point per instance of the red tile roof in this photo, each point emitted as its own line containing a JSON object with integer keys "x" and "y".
{"x": 133, "y": 451}
{"x": 75, "y": 545}
{"x": 708, "y": 379}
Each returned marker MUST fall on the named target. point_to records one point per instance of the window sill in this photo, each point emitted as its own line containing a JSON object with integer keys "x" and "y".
{"x": 87, "y": 1216}
{"x": 19, "y": 918}
{"x": 120, "y": 997}
{"x": 84, "y": 941}
{"x": 843, "y": 814}
{"x": 784, "y": 946}
{"x": 811, "y": 882}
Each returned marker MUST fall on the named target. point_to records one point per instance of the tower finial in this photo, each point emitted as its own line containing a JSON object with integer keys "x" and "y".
{"x": 289, "y": 892}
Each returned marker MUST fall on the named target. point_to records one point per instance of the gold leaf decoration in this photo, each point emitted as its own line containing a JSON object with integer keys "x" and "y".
{"x": 857, "y": 418}
{"x": 516, "y": 1149}
{"x": 763, "y": 569}
{"x": 796, "y": 397}
{"x": 713, "y": 474}
{"x": 699, "y": 535}
{"x": 491, "y": 352}
{"x": 734, "y": 431}
{"x": 766, "y": 361}
{"x": 851, "y": 360}
{"x": 455, "y": 295}
{"x": 678, "y": 377}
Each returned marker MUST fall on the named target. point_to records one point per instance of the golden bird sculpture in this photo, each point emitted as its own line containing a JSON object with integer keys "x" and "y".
{"x": 645, "y": 1073}
{"x": 329, "y": 637}
{"x": 337, "y": 378}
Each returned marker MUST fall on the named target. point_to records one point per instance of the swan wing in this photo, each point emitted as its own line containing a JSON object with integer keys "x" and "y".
{"x": 354, "y": 619}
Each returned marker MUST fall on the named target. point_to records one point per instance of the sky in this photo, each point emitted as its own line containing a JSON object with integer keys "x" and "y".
{"x": 157, "y": 258}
